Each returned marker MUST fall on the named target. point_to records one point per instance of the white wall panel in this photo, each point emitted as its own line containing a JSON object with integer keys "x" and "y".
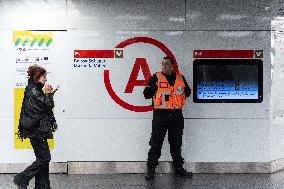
{"x": 33, "y": 14}
{"x": 10, "y": 155}
{"x": 109, "y": 140}
{"x": 276, "y": 138}
{"x": 7, "y": 70}
{"x": 227, "y": 140}
{"x": 7, "y": 152}
{"x": 232, "y": 40}
{"x": 87, "y": 94}
{"x": 95, "y": 94}
{"x": 126, "y": 15}
{"x": 58, "y": 71}
{"x": 229, "y": 14}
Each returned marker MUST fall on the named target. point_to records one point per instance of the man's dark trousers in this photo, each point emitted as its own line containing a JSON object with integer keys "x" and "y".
{"x": 163, "y": 121}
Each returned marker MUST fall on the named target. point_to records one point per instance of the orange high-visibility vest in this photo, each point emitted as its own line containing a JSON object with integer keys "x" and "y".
{"x": 169, "y": 97}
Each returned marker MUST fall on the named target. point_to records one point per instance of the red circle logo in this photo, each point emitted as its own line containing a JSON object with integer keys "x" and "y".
{"x": 123, "y": 44}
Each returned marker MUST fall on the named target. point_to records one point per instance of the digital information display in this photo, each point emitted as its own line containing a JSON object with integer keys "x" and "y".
{"x": 227, "y": 80}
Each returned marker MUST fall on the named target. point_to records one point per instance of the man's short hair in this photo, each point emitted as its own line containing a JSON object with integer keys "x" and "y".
{"x": 169, "y": 58}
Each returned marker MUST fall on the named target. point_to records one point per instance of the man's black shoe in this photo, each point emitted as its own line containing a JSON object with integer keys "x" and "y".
{"x": 150, "y": 171}
{"x": 181, "y": 172}
{"x": 16, "y": 181}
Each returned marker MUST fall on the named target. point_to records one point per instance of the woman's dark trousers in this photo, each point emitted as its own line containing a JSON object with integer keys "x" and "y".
{"x": 39, "y": 168}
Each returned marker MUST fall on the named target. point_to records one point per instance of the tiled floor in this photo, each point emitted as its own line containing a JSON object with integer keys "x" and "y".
{"x": 161, "y": 181}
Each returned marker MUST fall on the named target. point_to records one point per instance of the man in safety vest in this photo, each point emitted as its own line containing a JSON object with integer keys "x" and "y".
{"x": 168, "y": 90}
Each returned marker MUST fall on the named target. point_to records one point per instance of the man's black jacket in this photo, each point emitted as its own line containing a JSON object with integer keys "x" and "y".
{"x": 36, "y": 119}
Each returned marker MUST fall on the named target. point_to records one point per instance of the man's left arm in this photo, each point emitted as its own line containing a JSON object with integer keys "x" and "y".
{"x": 187, "y": 90}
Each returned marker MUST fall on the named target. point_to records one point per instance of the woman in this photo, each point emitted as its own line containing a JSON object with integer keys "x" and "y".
{"x": 37, "y": 123}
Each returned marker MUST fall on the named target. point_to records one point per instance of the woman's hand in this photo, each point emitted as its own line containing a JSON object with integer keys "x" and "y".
{"x": 48, "y": 89}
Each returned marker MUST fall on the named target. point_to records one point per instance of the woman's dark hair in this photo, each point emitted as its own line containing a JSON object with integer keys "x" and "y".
{"x": 35, "y": 72}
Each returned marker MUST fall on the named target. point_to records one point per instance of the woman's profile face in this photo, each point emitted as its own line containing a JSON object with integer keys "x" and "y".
{"x": 42, "y": 79}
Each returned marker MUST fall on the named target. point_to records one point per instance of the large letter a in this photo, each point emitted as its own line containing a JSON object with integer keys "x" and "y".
{"x": 140, "y": 62}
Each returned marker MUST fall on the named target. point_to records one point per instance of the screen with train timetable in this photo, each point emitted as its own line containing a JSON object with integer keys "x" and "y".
{"x": 227, "y": 80}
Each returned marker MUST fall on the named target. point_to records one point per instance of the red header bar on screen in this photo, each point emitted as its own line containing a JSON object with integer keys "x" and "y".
{"x": 93, "y": 53}
{"x": 223, "y": 54}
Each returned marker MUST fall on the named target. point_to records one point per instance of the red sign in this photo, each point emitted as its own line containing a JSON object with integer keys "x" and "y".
{"x": 94, "y": 54}
{"x": 223, "y": 53}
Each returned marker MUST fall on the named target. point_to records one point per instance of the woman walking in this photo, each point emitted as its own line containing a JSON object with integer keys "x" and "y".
{"x": 37, "y": 123}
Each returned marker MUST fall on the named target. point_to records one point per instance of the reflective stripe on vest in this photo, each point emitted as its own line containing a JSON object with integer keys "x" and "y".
{"x": 169, "y": 97}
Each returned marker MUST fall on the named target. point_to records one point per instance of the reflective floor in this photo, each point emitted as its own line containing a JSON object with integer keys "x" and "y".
{"x": 162, "y": 181}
